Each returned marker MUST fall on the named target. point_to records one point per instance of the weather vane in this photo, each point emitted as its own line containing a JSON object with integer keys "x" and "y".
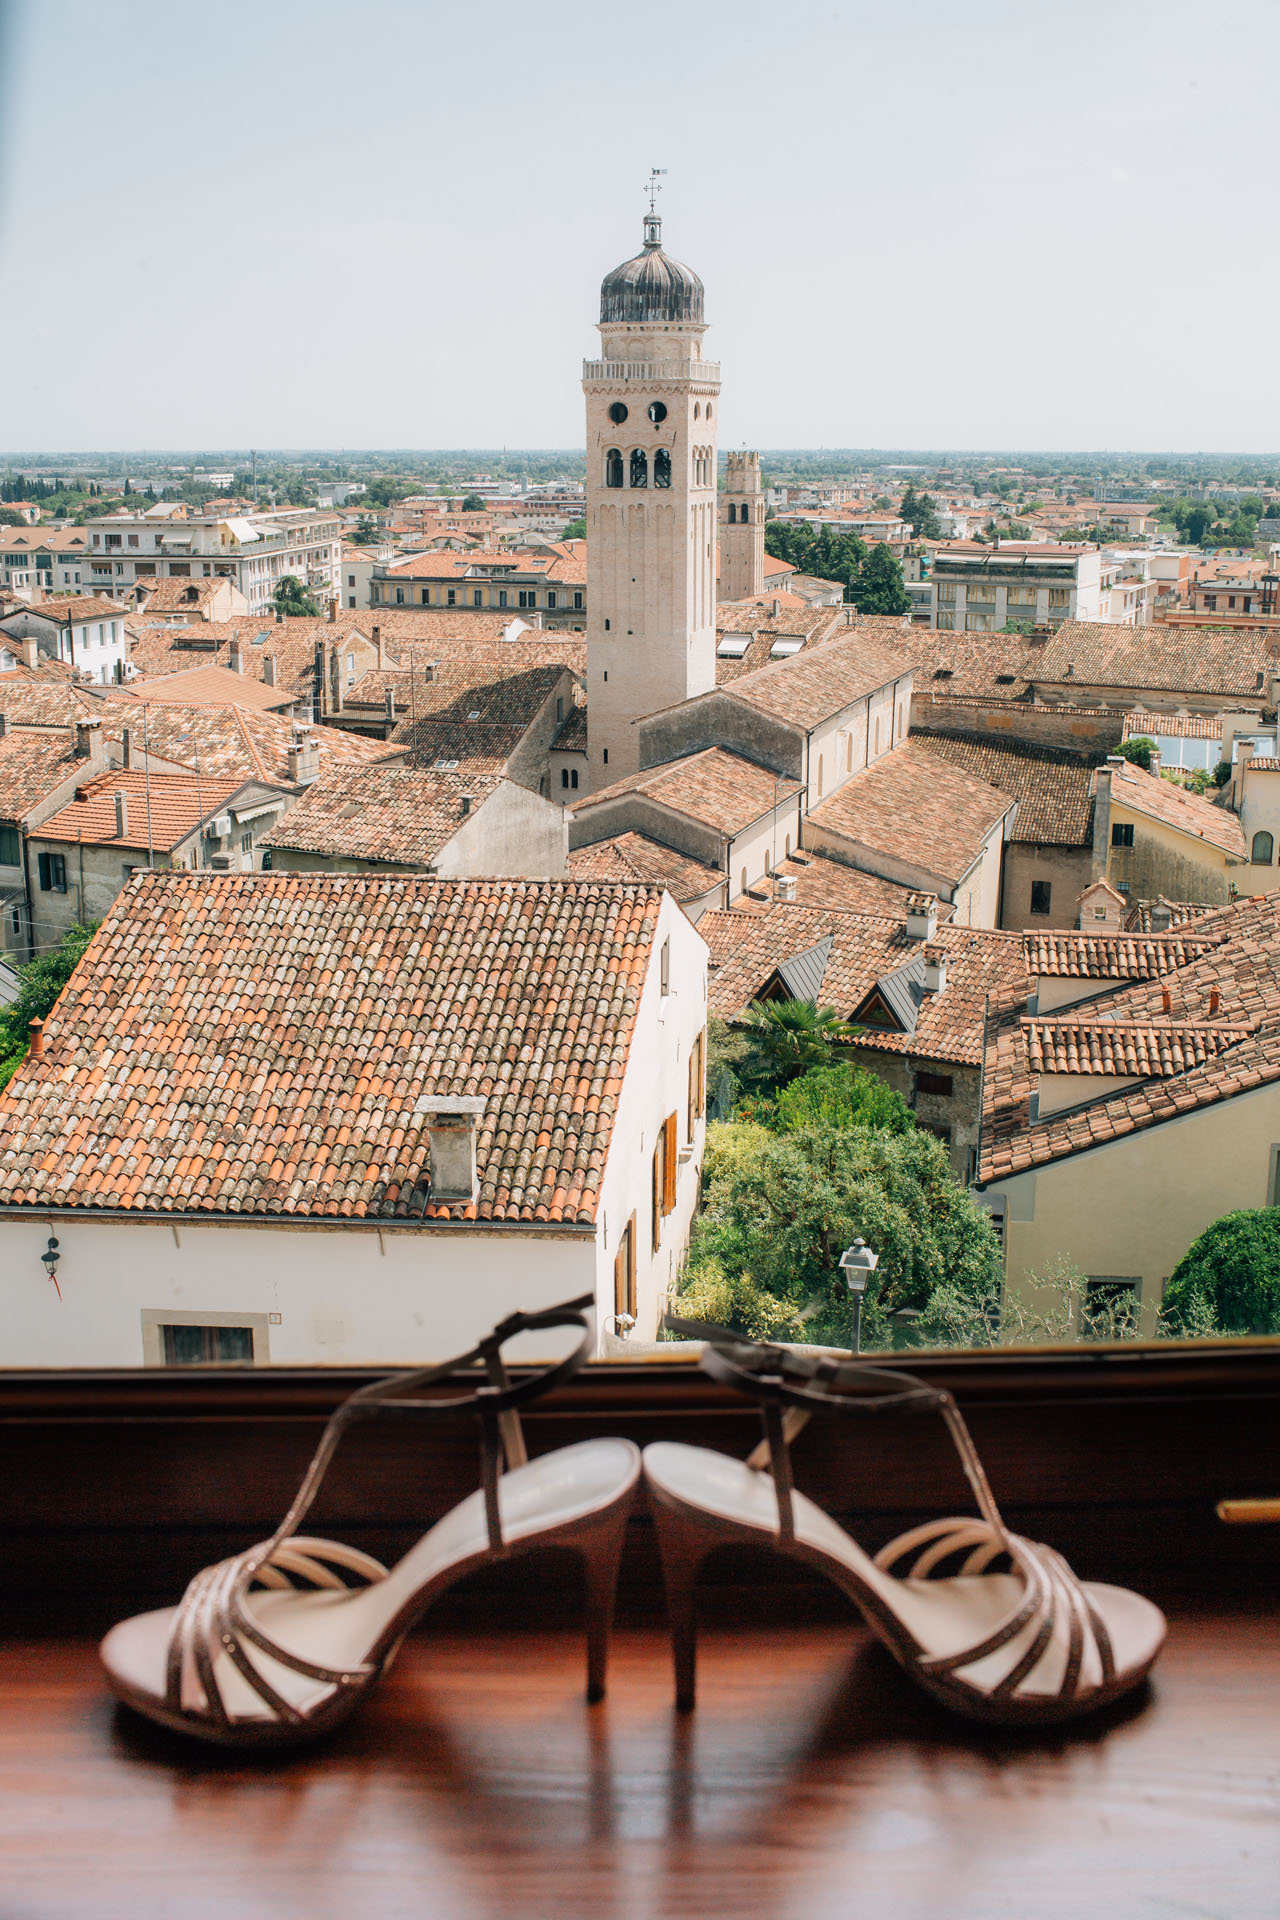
{"x": 654, "y": 187}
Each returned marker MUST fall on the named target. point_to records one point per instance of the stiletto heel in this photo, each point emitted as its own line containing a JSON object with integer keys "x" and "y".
{"x": 281, "y": 1643}
{"x": 992, "y": 1625}
{"x": 601, "y": 1559}
{"x": 682, "y": 1547}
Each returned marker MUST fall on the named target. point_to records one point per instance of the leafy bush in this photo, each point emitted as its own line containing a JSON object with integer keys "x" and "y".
{"x": 781, "y": 1207}
{"x": 788, "y": 1037}
{"x": 838, "y": 1096}
{"x": 1228, "y": 1281}
{"x": 736, "y": 1302}
{"x": 1138, "y": 751}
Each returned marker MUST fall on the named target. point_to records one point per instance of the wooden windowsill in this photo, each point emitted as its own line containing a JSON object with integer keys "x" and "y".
{"x": 812, "y": 1780}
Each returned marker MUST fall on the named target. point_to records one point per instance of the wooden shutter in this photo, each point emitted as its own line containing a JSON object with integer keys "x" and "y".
{"x": 624, "y": 1272}
{"x": 697, "y": 1081}
{"x": 657, "y": 1191}
{"x": 669, "y": 1136}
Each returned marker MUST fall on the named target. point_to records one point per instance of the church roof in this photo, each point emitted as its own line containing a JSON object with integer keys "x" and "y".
{"x": 653, "y": 286}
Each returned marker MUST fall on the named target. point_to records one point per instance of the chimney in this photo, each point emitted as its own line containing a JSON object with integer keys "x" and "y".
{"x": 429, "y": 671}
{"x": 126, "y": 747}
{"x": 279, "y": 618}
{"x": 1215, "y": 1001}
{"x": 235, "y": 659}
{"x": 1166, "y": 1000}
{"x": 935, "y": 968}
{"x": 4, "y": 725}
{"x": 381, "y": 648}
{"x": 468, "y": 801}
{"x": 451, "y": 1135}
{"x": 786, "y": 889}
{"x": 122, "y": 815}
{"x": 303, "y": 760}
{"x": 1155, "y": 763}
{"x": 1161, "y": 917}
{"x": 88, "y": 738}
{"x": 389, "y": 702}
{"x": 922, "y": 916}
{"x": 333, "y": 610}
{"x": 35, "y": 1039}
{"x": 269, "y": 670}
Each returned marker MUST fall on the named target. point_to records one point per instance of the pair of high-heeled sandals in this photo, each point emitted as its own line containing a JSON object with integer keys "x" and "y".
{"x": 281, "y": 1643}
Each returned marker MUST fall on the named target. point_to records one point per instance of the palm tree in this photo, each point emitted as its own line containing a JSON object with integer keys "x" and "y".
{"x": 790, "y": 1036}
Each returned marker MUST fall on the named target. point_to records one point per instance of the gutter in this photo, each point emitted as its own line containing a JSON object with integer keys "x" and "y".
{"x": 369, "y": 1223}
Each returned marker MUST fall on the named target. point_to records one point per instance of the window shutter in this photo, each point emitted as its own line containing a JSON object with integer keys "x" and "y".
{"x": 657, "y": 1194}
{"x": 46, "y": 881}
{"x": 669, "y": 1164}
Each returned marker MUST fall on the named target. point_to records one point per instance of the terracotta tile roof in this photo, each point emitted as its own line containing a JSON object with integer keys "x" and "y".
{"x": 167, "y": 595}
{"x": 559, "y": 569}
{"x": 70, "y": 609}
{"x": 232, "y": 740}
{"x": 720, "y": 789}
{"x": 812, "y": 686}
{"x": 572, "y": 737}
{"x": 1115, "y": 956}
{"x": 916, "y": 807}
{"x": 1098, "y": 1046}
{"x": 1052, "y": 786}
{"x": 980, "y": 666}
{"x": 748, "y": 948}
{"x": 32, "y": 765}
{"x": 634, "y": 856}
{"x": 1174, "y": 726}
{"x": 1176, "y": 806}
{"x": 48, "y": 700}
{"x": 291, "y": 644}
{"x": 1263, "y": 763}
{"x": 162, "y": 810}
{"x": 217, "y": 686}
{"x": 1209, "y": 660}
{"x": 470, "y": 695}
{"x": 68, "y": 539}
{"x": 399, "y": 814}
{"x": 821, "y": 882}
{"x": 1229, "y": 984}
{"x": 255, "y": 1045}
{"x": 1181, "y": 914}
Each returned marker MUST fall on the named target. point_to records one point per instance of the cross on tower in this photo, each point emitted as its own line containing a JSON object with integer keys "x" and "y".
{"x": 654, "y": 187}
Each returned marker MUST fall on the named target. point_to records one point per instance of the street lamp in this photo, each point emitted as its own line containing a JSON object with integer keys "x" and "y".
{"x": 50, "y": 1258}
{"x": 858, "y": 1263}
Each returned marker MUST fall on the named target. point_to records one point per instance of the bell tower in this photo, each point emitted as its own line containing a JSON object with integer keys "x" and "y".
{"x": 742, "y": 529}
{"x": 652, "y": 407}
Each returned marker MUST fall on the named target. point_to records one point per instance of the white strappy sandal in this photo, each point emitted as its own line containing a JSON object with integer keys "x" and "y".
{"x": 281, "y": 1643}
{"x": 994, "y": 1626}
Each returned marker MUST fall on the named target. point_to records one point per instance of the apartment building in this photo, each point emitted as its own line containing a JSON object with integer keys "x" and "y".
{"x": 84, "y": 631}
{"x": 34, "y": 562}
{"x": 553, "y": 582}
{"x": 979, "y": 588}
{"x": 255, "y": 550}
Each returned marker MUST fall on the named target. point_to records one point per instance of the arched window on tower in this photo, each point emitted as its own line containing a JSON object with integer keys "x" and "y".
{"x": 639, "y": 467}
{"x": 613, "y": 468}
{"x": 662, "y": 468}
{"x": 733, "y": 514}
{"x": 1263, "y": 848}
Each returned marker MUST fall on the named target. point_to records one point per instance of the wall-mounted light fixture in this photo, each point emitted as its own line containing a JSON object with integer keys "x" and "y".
{"x": 51, "y": 1257}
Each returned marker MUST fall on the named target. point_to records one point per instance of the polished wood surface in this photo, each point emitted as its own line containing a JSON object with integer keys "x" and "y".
{"x": 812, "y": 1783}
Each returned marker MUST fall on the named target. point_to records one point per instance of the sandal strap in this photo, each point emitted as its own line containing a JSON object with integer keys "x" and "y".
{"x": 213, "y": 1616}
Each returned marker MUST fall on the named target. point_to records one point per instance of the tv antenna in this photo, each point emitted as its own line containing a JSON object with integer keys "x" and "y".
{"x": 653, "y": 187}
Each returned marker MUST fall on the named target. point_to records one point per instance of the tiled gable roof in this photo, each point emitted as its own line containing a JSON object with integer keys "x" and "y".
{"x": 32, "y": 765}
{"x": 1158, "y": 1048}
{"x": 812, "y": 686}
{"x": 747, "y": 949}
{"x": 1052, "y": 786}
{"x": 634, "y": 856}
{"x": 216, "y": 685}
{"x": 1146, "y": 915}
{"x": 1114, "y": 956}
{"x": 1209, "y": 660}
{"x": 253, "y": 1045}
{"x": 915, "y": 807}
{"x": 231, "y": 740}
{"x": 162, "y": 809}
{"x": 1173, "y": 726}
{"x": 48, "y": 700}
{"x": 71, "y": 609}
{"x": 398, "y": 814}
{"x": 981, "y": 666}
{"x": 720, "y": 789}
{"x": 821, "y": 882}
{"x": 1176, "y": 806}
{"x": 1227, "y": 986}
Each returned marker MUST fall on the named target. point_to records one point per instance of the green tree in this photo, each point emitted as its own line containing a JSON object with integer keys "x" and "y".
{"x": 790, "y": 1036}
{"x": 367, "y": 534}
{"x": 576, "y": 530}
{"x": 1228, "y": 1280}
{"x": 921, "y": 515}
{"x": 8, "y": 518}
{"x": 291, "y": 598}
{"x": 879, "y": 586}
{"x": 42, "y": 980}
{"x": 779, "y": 1208}
{"x": 838, "y": 1096}
{"x": 1196, "y": 524}
{"x": 473, "y": 503}
{"x": 1138, "y": 750}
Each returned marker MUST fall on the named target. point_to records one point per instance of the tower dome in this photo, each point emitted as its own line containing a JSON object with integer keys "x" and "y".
{"x": 652, "y": 287}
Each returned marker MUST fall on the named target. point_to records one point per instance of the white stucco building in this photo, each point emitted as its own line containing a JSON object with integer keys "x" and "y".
{"x": 255, "y": 550}
{"x": 85, "y": 631}
{"x": 377, "y": 1114}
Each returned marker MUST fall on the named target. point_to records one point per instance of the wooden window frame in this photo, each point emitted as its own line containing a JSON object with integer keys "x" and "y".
{"x": 624, "y": 1271}
{"x": 697, "y": 1082}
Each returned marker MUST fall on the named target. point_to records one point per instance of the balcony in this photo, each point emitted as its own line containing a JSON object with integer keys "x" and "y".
{"x": 811, "y": 1770}
{"x": 705, "y": 372}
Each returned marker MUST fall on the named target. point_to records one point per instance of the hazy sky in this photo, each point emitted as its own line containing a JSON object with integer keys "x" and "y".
{"x": 384, "y": 224}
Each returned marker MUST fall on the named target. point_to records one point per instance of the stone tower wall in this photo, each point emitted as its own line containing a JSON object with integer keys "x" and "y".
{"x": 742, "y": 529}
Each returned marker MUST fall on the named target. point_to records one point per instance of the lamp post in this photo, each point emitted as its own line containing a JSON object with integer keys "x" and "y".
{"x": 50, "y": 1258}
{"x": 858, "y": 1263}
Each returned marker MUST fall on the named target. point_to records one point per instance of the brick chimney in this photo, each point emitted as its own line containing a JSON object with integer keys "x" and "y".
{"x": 126, "y": 747}
{"x": 235, "y": 659}
{"x": 88, "y": 739}
{"x": 922, "y": 916}
{"x": 122, "y": 815}
{"x": 333, "y": 610}
{"x": 451, "y": 1135}
{"x": 381, "y": 646}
